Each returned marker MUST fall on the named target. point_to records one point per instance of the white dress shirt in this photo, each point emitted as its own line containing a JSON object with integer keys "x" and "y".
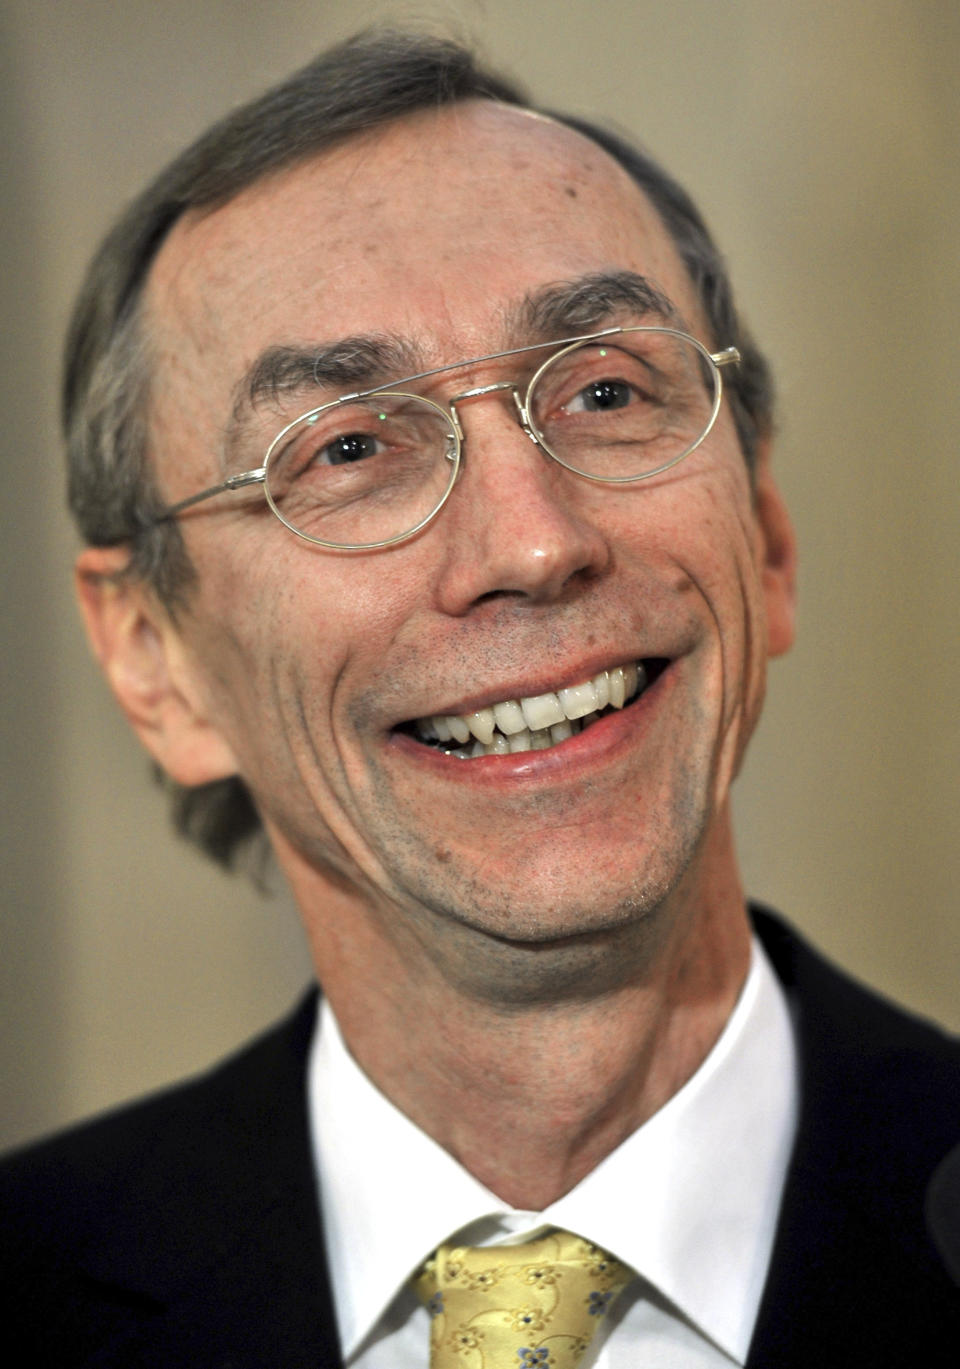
{"x": 690, "y": 1201}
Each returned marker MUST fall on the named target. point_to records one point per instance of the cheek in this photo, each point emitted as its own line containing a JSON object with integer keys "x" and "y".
{"x": 285, "y": 631}
{"x": 737, "y": 603}
{"x": 702, "y": 522}
{"x": 711, "y": 536}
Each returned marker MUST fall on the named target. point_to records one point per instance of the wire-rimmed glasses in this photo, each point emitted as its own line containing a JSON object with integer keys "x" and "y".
{"x": 370, "y": 469}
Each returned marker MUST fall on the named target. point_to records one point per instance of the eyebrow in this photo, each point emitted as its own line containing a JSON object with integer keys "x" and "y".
{"x": 591, "y": 302}
{"x": 359, "y": 361}
{"x": 364, "y": 360}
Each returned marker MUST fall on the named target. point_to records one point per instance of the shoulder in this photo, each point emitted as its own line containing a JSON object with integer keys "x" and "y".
{"x": 877, "y": 1078}
{"x": 855, "y": 1260}
{"x": 833, "y": 1007}
{"x": 156, "y": 1193}
{"x": 234, "y": 1096}
{"x": 857, "y": 1276}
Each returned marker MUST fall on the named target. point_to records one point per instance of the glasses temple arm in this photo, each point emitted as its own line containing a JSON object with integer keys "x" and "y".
{"x": 232, "y": 482}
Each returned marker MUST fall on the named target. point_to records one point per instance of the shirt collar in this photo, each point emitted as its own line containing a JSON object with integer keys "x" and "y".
{"x": 694, "y": 1191}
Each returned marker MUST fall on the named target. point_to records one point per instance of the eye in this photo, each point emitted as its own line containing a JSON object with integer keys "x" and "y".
{"x": 596, "y": 382}
{"x": 348, "y": 447}
{"x": 602, "y": 395}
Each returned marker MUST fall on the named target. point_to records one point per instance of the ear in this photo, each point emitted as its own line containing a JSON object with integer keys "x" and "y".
{"x": 777, "y": 555}
{"x": 149, "y": 669}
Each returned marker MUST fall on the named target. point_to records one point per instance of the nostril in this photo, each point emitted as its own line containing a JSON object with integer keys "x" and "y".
{"x": 493, "y": 594}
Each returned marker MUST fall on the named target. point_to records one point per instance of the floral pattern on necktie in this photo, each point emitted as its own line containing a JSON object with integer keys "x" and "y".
{"x": 530, "y": 1306}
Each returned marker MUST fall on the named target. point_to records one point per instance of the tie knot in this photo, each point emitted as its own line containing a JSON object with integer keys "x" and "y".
{"x": 530, "y": 1306}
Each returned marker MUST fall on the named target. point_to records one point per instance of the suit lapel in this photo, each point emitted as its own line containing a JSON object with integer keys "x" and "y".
{"x": 854, "y": 1280}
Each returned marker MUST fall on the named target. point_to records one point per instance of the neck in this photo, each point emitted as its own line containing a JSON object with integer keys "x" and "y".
{"x": 531, "y": 1095}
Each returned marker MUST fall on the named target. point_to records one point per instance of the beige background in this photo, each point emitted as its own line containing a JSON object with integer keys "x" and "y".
{"x": 821, "y": 139}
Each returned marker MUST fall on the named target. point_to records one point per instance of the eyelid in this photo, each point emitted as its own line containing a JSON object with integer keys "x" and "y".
{"x": 586, "y": 365}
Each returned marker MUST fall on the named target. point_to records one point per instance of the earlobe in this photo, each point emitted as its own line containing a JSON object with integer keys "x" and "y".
{"x": 778, "y": 558}
{"x": 147, "y": 665}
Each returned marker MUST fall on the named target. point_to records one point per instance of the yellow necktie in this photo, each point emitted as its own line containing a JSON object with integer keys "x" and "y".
{"x": 532, "y": 1306}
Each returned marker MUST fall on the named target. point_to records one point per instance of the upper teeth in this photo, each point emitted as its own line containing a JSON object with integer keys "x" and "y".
{"x": 538, "y": 721}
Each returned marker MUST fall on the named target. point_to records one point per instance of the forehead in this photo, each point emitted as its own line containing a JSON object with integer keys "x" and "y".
{"x": 432, "y": 228}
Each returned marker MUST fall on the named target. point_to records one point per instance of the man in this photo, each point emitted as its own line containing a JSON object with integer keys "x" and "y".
{"x": 424, "y": 466}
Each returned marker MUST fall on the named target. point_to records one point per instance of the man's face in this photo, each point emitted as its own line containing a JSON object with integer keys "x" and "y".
{"x": 316, "y": 665}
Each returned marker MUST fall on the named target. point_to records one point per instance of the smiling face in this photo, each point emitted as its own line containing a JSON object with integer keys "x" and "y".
{"x": 446, "y": 236}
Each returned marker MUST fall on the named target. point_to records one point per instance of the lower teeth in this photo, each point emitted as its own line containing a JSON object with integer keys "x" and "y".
{"x": 526, "y": 740}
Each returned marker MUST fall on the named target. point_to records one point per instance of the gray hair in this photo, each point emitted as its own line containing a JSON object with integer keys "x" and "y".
{"x": 367, "y": 81}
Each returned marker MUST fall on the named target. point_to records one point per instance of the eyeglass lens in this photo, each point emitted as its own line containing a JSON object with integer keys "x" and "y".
{"x": 367, "y": 471}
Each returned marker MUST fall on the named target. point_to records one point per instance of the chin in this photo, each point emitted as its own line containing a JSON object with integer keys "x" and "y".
{"x": 542, "y": 929}
{"x": 551, "y": 964}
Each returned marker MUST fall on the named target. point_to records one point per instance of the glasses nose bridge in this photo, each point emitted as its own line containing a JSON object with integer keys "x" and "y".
{"x": 496, "y": 387}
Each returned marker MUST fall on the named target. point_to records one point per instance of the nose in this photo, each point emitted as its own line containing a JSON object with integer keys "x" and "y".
{"x": 516, "y": 523}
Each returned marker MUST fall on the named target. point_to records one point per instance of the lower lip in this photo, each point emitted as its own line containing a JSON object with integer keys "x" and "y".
{"x": 599, "y": 742}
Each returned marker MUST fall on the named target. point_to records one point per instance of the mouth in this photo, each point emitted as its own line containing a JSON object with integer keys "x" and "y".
{"x": 540, "y": 721}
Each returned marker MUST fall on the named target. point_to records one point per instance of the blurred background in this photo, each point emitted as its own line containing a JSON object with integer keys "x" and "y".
{"x": 821, "y": 140}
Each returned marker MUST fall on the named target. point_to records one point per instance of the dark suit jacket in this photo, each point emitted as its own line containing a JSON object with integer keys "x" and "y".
{"x": 184, "y": 1231}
